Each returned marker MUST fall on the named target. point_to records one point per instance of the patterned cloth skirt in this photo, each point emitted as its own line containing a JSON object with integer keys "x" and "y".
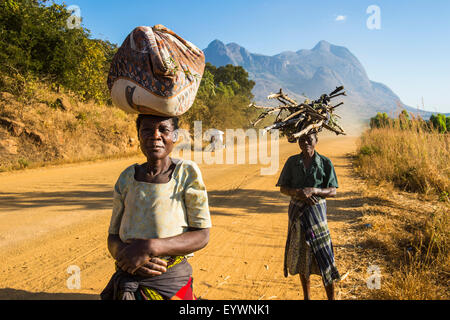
{"x": 185, "y": 293}
{"x": 309, "y": 249}
{"x": 299, "y": 257}
{"x": 175, "y": 285}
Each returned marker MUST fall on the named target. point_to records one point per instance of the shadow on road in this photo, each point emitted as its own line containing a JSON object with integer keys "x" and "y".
{"x": 14, "y": 294}
{"x": 88, "y": 200}
{"x": 247, "y": 201}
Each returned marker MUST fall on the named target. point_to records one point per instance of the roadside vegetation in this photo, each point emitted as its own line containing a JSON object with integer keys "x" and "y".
{"x": 411, "y": 156}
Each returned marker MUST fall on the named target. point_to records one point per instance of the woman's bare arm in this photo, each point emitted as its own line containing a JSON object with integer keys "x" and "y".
{"x": 115, "y": 245}
{"x": 308, "y": 194}
{"x": 150, "y": 268}
{"x": 326, "y": 192}
{"x": 180, "y": 245}
{"x": 131, "y": 257}
{"x": 290, "y": 192}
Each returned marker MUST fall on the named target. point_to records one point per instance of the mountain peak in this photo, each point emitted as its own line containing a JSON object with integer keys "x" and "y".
{"x": 322, "y": 46}
{"x": 216, "y": 44}
{"x": 312, "y": 72}
{"x": 219, "y": 54}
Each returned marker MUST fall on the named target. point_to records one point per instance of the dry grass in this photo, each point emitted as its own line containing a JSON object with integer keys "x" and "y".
{"x": 409, "y": 228}
{"x": 415, "y": 160}
{"x": 75, "y": 132}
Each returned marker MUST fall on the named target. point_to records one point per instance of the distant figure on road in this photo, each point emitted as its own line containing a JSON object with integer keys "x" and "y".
{"x": 216, "y": 140}
{"x": 160, "y": 217}
{"x": 308, "y": 178}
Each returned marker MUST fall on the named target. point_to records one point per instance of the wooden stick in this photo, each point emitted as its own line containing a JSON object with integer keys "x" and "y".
{"x": 263, "y": 116}
{"x": 317, "y": 115}
{"x": 334, "y": 130}
{"x": 338, "y": 105}
{"x": 292, "y": 101}
{"x": 308, "y": 128}
{"x": 259, "y": 107}
{"x": 294, "y": 114}
{"x": 283, "y": 96}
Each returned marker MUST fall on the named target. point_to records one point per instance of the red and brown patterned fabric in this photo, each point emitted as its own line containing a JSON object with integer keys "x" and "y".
{"x": 155, "y": 71}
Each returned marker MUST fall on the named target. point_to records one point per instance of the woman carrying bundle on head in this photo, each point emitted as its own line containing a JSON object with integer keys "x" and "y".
{"x": 308, "y": 178}
{"x": 160, "y": 209}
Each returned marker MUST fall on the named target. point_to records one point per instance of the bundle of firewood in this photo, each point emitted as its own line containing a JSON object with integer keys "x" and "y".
{"x": 295, "y": 120}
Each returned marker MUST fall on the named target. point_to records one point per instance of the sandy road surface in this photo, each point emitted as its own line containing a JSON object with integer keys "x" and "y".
{"x": 52, "y": 218}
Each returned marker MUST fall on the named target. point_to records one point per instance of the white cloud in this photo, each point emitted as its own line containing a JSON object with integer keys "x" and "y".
{"x": 341, "y": 18}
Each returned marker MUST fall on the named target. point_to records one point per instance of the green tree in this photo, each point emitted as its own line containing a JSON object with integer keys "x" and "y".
{"x": 234, "y": 76}
{"x": 381, "y": 120}
{"x": 404, "y": 119}
{"x": 223, "y": 103}
{"x": 35, "y": 41}
{"x": 207, "y": 87}
{"x": 439, "y": 122}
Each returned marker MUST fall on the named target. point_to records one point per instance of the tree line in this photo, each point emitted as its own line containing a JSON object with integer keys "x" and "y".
{"x": 438, "y": 122}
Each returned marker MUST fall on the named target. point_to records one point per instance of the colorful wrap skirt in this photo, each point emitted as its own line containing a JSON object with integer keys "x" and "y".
{"x": 175, "y": 284}
{"x": 309, "y": 249}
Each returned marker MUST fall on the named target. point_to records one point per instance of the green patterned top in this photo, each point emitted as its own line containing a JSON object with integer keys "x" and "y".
{"x": 144, "y": 210}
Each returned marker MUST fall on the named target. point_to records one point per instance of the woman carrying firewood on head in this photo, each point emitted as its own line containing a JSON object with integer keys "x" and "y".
{"x": 308, "y": 178}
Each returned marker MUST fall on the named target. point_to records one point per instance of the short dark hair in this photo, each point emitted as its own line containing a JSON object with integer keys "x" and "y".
{"x": 175, "y": 120}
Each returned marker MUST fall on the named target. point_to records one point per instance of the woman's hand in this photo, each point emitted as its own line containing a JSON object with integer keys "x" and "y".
{"x": 308, "y": 195}
{"x": 153, "y": 267}
{"x": 137, "y": 255}
{"x": 134, "y": 256}
{"x": 305, "y": 193}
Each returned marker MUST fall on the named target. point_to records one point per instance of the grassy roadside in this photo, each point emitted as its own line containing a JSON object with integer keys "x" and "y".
{"x": 406, "y": 215}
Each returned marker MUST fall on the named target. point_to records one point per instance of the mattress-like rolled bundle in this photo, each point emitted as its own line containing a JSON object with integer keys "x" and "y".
{"x": 155, "y": 71}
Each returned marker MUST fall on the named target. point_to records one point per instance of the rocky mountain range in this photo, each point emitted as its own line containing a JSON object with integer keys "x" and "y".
{"x": 311, "y": 73}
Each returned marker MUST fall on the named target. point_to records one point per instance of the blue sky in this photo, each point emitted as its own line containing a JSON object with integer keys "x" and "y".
{"x": 410, "y": 53}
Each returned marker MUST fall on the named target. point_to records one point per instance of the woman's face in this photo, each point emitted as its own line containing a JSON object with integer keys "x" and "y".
{"x": 307, "y": 143}
{"x": 157, "y": 137}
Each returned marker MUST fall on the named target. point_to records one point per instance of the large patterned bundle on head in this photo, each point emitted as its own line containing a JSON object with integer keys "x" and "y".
{"x": 155, "y": 71}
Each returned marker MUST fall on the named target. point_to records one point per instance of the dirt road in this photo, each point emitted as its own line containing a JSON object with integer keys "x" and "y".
{"x": 53, "y": 218}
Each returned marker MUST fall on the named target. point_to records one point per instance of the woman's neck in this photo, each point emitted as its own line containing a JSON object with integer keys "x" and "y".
{"x": 158, "y": 166}
{"x": 308, "y": 155}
